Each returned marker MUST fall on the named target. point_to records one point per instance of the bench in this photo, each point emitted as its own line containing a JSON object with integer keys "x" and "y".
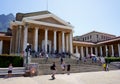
{"x": 15, "y": 71}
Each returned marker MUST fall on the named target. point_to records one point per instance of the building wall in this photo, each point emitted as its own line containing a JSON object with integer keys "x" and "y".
{"x": 94, "y": 37}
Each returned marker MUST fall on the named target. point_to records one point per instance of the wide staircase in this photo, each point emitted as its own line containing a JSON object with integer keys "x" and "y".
{"x": 44, "y": 67}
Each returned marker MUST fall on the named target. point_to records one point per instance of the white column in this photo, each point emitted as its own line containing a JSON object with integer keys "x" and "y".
{"x": 119, "y": 49}
{"x": 46, "y": 39}
{"x": 71, "y": 44}
{"x": 96, "y": 52}
{"x": 112, "y": 50}
{"x": 106, "y": 50}
{"x": 86, "y": 51}
{"x": 91, "y": 50}
{"x": 54, "y": 40}
{"x": 82, "y": 53}
{"x": 36, "y": 39}
{"x": 67, "y": 43}
{"x": 19, "y": 37}
{"x": 25, "y": 37}
{"x": 1, "y": 46}
{"x": 101, "y": 53}
{"x": 63, "y": 41}
{"x": 76, "y": 49}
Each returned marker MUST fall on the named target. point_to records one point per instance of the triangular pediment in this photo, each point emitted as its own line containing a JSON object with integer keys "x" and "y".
{"x": 49, "y": 18}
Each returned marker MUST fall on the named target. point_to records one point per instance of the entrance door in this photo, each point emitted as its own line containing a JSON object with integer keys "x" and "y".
{"x": 48, "y": 46}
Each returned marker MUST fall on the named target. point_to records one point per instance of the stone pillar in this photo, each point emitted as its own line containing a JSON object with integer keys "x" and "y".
{"x": 16, "y": 40}
{"x": 36, "y": 39}
{"x": 55, "y": 40}
{"x": 1, "y": 46}
{"x": 119, "y": 49}
{"x": 76, "y": 49}
{"x": 96, "y": 52}
{"x": 63, "y": 41}
{"x": 67, "y": 43}
{"x": 82, "y": 53}
{"x": 101, "y": 53}
{"x": 10, "y": 46}
{"x": 91, "y": 50}
{"x": 19, "y": 37}
{"x": 86, "y": 51}
{"x": 71, "y": 44}
{"x": 46, "y": 39}
{"x": 25, "y": 37}
{"x": 112, "y": 50}
{"x": 106, "y": 50}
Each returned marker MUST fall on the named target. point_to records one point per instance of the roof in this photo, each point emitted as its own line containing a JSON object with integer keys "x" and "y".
{"x": 101, "y": 42}
{"x": 19, "y": 16}
{"x": 98, "y": 32}
{"x": 81, "y": 42}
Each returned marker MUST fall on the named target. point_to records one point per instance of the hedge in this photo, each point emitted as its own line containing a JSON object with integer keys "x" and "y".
{"x": 112, "y": 59}
{"x": 5, "y": 60}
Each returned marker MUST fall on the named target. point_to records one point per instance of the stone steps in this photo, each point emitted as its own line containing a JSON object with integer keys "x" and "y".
{"x": 44, "y": 68}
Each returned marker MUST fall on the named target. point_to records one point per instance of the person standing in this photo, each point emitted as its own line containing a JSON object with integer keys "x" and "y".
{"x": 104, "y": 66}
{"x": 61, "y": 60}
{"x": 63, "y": 65}
{"x": 46, "y": 58}
{"x": 107, "y": 67}
{"x": 68, "y": 69}
{"x": 10, "y": 68}
{"x": 53, "y": 68}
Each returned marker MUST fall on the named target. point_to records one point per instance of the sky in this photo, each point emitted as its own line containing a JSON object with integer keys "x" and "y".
{"x": 84, "y": 15}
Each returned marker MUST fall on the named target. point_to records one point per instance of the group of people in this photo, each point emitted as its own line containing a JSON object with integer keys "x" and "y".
{"x": 63, "y": 67}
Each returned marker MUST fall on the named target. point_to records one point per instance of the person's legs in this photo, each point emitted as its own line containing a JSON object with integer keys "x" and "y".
{"x": 53, "y": 74}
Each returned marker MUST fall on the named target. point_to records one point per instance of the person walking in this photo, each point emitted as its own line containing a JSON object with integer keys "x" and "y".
{"x": 53, "y": 68}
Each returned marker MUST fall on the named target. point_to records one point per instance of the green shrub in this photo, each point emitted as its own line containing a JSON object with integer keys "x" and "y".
{"x": 112, "y": 59}
{"x": 5, "y": 60}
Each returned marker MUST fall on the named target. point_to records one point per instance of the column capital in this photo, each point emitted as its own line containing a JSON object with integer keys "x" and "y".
{"x": 36, "y": 27}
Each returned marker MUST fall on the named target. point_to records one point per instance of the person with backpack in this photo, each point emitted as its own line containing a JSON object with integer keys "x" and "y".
{"x": 53, "y": 68}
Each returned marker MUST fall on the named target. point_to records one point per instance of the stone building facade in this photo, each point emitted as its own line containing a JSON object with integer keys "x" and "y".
{"x": 94, "y": 36}
{"x": 43, "y": 31}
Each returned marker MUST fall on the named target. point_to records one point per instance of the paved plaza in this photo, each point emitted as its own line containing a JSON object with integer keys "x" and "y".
{"x": 102, "y": 77}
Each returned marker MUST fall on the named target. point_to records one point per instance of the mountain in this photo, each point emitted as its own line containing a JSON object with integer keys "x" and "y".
{"x": 5, "y": 21}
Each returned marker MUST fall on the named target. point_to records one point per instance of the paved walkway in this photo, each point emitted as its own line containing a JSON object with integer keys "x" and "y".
{"x": 102, "y": 77}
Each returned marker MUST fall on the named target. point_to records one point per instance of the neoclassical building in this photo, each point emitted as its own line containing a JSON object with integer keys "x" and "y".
{"x": 97, "y": 43}
{"x": 43, "y": 31}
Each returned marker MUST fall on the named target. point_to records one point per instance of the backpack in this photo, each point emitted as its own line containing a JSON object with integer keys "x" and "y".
{"x": 51, "y": 67}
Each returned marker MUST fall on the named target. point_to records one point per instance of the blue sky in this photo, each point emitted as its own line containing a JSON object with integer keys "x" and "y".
{"x": 84, "y": 15}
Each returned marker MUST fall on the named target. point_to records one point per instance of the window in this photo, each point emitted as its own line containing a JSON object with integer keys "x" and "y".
{"x": 90, "y": 36}
{"x": 97, "y": 36}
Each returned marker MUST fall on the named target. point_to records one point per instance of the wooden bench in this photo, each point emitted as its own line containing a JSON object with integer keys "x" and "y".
{"x": 15, "y": 71}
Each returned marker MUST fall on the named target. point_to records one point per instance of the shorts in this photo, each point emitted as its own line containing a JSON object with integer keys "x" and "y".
{"x": 10, "y": 71}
